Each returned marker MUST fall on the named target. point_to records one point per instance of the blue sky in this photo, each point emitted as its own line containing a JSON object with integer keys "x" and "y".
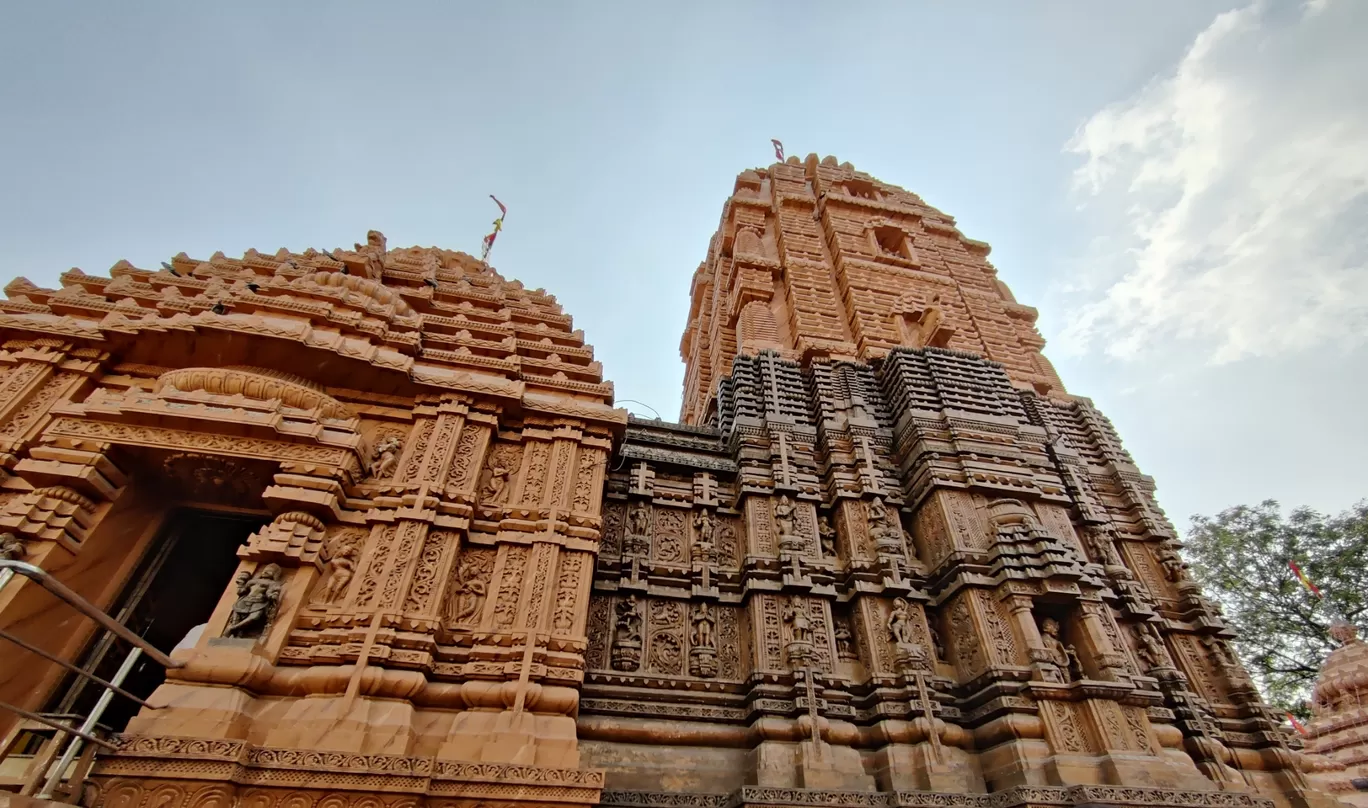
{"x": 1172, "y": 183}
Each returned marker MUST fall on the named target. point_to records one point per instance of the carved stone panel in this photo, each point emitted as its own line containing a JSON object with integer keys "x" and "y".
{"x": 670, "y": 535}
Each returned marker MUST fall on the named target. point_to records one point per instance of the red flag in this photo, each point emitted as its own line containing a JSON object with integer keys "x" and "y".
{"x": 1297, "y": 725}
{"x": 488, "y": 243}
{"x": 778, "y": 150}
{"x": 1306, "y": 582}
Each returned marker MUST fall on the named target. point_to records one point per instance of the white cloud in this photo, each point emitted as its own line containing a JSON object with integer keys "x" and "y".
{"x": 1233, "y": 194}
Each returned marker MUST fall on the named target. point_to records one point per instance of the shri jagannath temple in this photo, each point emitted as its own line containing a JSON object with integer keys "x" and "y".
{"x": 364, "y": 529}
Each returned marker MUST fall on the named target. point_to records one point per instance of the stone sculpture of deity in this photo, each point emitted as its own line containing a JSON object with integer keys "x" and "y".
{"x": 254, "y": 609}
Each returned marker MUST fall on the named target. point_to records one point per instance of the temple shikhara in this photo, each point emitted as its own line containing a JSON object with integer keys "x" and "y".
{"x": 399, "y": 549}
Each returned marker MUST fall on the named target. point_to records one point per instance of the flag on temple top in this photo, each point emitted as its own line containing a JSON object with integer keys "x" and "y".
{"x": 1306, "y": 582}
{"x": 1297, "y": 725}
{"x": 498, "y": 225}
{"x": 778, "y": 150}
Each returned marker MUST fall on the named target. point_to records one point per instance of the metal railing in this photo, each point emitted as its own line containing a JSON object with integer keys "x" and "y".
{"x": 84, "y": 734}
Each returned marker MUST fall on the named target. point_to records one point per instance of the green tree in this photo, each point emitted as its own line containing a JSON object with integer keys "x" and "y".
{"x": 1241, "y": 559}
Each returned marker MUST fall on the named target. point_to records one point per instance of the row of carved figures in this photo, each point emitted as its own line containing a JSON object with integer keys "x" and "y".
{"x": 884, "y": 528}
{"x": 1057, "y": 659}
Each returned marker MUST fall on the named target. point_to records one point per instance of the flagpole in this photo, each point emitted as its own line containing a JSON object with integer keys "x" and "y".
{"x": 488, "y": 243}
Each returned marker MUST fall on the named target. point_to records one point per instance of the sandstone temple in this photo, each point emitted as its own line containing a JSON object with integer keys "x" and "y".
{"x": 390, "y": 544}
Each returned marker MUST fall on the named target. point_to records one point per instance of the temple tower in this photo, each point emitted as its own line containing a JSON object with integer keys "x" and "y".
{"x": 887, "y": 559}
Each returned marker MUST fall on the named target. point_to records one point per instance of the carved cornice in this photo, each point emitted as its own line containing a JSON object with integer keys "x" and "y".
{"x": 241, "y": 762}
{"x": 1016, "y": 797}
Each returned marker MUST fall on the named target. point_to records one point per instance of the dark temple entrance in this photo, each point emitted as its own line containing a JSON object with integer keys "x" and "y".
{"x": 173, "y": 589}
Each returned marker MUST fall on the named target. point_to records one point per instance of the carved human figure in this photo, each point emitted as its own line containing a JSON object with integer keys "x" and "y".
{"x": 783, "y": 516}
{"x": 1151, "y": 650}
{"x": 628, "y": 629}
{"x": 639, "y": 519}
{"x": 258, "y": 597}
{"x": 936, "y": 644}
{"x": 845, "y": 645}
{"x": 341, "y": 566}
{"x": 386, "y": 457}
{"x": 703, "y": 626}
{"x": 496, "y": 489}
{"x": 800, "y": 628}
{"x": 1102, "y": 547}
{"x": 1065, "y": 657}
{"x": 884, "y": 528}
{"x": 1219, "y": 654}
{"x": 12, "y": 548}
{"x": 1174, "y": 567}
{"x": 374, "y": 253}
{"x": 900, "y": 623}
{"x": 470, "y": 593}
{"x": 704, "y": 551}
{"x": 703, "y": 525}
{"x": 827, "y": 535}
{"x": 878, "y": 514}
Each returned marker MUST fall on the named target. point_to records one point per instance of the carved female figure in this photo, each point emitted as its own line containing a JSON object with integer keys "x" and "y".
{"x": 258, "y": 596}
{"x": 470, "y": 593}
{"x": 639, "y": 520}
{"x": 783, "y": 516}
{"x": 386, "y": 457}
{"x": 900, "y": 623}
{"x": 341, "y": 567}
{"x": 494, "y": 491}
{"x": 827, "y": 536}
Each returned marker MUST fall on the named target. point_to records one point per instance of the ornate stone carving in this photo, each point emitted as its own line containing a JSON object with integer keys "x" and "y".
{"x": 256, "y": 604}
{"x": 638, "y": 538}
{"x": 12, "y": 548}
{"x": 827, "y": 536}
{"x": 1102, "y": 546}
{"x": 385, "y": 457}
{"x": 339, "y": 556}
{"x": 473, "y": 571}
{"x": 213, "y": 479}
{"x": 1150, "y": 648}
{"x": 373, "y": 252}
{"x": 1061, "y": 660}
{"x": 784, "y": 523}
{"x": 256, "y": 384}
{"x": 1175, "y": 569}
{"x": 703, "y": 648}
{"x": 845, "y": 641}
{"x": 911, "y": 655}
{"x": 704, "y": 551}
{"x": 800, "y": 647}
{"x": 627, "y": 635}
{"x": 495, "y": 489}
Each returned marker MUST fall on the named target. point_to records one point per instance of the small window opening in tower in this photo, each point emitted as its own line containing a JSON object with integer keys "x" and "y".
{"x": 891, "y": 241}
